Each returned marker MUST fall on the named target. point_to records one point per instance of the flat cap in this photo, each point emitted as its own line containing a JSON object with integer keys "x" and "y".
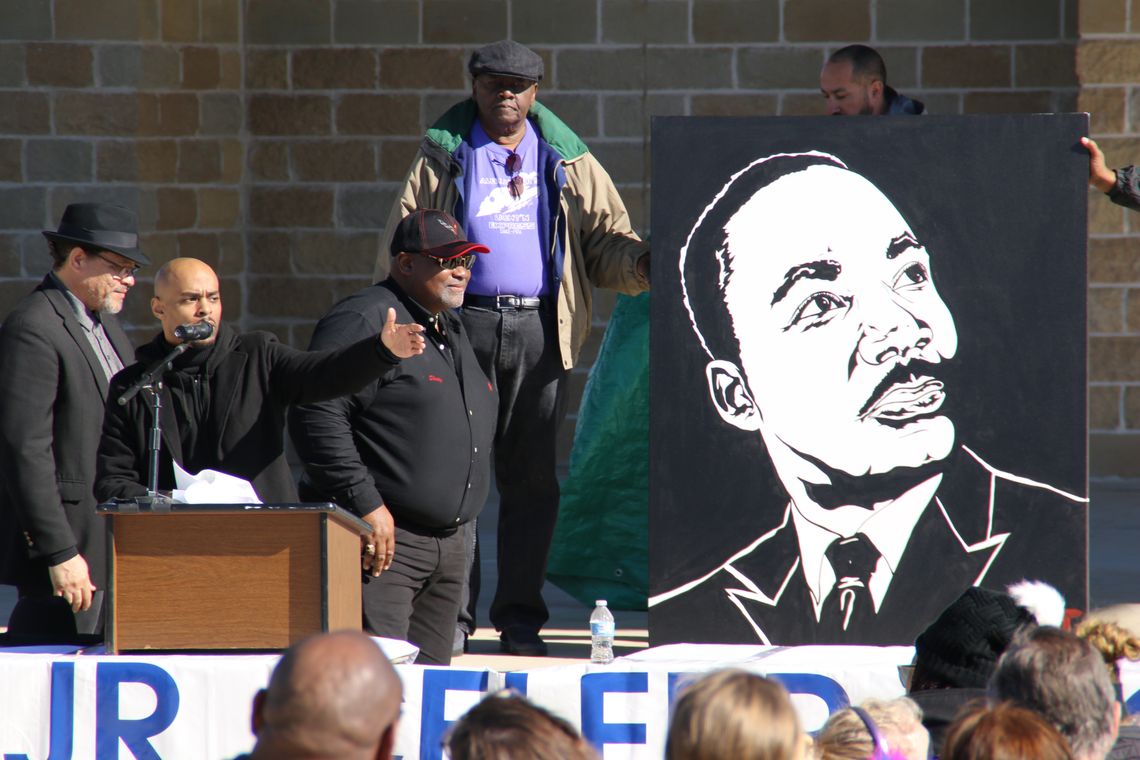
{"x": 509, "y": 58}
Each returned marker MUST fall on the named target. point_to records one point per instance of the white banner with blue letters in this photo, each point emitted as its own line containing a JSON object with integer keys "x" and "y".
{"x": 198, "y": 706}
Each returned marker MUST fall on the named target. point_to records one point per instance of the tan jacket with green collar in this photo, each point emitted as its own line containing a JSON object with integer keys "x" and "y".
{"x": 600, "y": 246}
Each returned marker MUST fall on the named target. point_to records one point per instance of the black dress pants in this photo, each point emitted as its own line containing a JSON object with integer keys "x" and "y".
{"x": 417, "y": 598}
{"x": 518, "y": 351}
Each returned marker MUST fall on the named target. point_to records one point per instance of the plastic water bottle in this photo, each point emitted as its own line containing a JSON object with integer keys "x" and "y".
{"x": 601, "y": 634}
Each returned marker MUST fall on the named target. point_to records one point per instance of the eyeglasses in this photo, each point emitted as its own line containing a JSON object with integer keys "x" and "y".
{"x": 466, "y": 261}
{"x": 513, "y": 164}
{"x": 121, "y": 272}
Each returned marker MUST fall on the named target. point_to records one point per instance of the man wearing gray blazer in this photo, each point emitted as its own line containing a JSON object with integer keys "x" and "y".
{"x": 58, "y": 349}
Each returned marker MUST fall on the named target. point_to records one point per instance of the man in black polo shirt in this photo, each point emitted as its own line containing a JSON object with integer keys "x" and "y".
{"x": 410, "y": 452}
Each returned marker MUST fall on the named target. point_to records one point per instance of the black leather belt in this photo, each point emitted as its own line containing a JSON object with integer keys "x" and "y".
{"x": 502, "y": 303}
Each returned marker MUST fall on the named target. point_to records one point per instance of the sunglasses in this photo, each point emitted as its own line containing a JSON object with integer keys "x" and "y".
{"x": 466, "y": 261}
{"x": 497, "y": 84}
{"x": 515, "y": 184}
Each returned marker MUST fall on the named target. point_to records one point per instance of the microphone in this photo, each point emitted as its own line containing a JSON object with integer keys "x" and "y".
{"x": 194, "y": 331}
{"x": 150, "y": 376}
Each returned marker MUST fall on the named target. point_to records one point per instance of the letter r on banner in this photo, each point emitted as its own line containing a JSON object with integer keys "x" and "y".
{"x": 109, "y": 727}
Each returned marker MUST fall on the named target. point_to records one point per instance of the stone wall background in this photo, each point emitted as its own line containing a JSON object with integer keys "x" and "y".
{"x": 1108, "y": 69}
{"x": 268, "y": 137}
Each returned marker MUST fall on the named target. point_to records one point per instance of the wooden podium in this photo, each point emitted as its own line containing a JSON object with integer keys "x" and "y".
{"x": 229, "y": 576}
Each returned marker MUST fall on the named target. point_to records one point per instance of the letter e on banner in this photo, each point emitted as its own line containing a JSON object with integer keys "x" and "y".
{"x": 433, "y": 722}
{"x": 595, "y": 686}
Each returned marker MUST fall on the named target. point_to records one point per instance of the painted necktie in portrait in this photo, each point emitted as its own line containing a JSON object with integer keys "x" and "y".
{"x": 868, "y": 372}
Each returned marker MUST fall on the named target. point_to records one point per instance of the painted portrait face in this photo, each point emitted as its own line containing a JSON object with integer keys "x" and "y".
{"x": 840, "y": 327}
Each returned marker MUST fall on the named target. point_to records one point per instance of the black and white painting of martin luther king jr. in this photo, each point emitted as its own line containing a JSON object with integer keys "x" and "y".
{"x": 824, "y": 333}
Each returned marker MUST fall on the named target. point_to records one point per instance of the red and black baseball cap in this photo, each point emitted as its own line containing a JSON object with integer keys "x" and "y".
{"x": 433, "y": 232}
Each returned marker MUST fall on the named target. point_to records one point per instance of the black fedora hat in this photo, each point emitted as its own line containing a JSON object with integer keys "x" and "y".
{"x": 103, "y": 226}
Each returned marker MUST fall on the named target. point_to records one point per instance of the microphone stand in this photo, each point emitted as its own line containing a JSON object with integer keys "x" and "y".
{"x": 151, "y": 382}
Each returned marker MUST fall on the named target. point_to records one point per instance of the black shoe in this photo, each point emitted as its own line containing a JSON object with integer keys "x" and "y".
{"x": 523, "y": 642}
{"x": 459, "y": 643}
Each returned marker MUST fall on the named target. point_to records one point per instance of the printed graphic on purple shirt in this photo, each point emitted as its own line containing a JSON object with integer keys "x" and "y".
{"x": 502, "y": 214}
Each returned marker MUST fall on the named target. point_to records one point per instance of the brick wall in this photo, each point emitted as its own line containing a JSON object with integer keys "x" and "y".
{"x": 134, "y": 102}
{"x": 1109, "y": 68}
{"x": 268, "y": 136}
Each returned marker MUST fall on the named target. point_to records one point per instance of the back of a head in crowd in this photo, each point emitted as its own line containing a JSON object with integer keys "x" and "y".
{"x": 1114, "y": 642}
{"x": 732, "y": 714}
{"x": 333, "y": 695}
{"x": 1003, "y": 732}
{"x": 961, "y": 647}
{"x": 508, "y": 726}
{"x": 887, "y": 729}
{"x": 1063, "y": 678}
{"x": 866, "y": 63}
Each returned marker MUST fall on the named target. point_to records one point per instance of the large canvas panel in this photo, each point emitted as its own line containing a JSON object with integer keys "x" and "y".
{"x": 898, "y": 320}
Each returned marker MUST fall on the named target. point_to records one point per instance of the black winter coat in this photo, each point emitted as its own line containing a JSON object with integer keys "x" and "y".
{"x": 252, "y": 381}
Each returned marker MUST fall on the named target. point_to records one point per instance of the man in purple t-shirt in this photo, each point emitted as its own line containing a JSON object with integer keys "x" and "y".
{"x": 524, "y": 185}
{"x": 509, "y": 328}
{"x": 502, "y": 210}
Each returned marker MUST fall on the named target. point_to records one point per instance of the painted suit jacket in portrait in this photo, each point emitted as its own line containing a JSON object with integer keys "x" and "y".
{"x": 982, "y": 528}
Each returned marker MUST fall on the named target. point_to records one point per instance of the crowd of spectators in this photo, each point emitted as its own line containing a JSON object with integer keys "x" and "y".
{"x": 1013, "y": 688}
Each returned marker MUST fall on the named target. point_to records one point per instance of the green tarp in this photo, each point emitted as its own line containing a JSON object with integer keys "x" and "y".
{"x": 600, "y": 548}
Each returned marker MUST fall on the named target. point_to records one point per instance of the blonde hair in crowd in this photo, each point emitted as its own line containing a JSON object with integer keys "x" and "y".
{"x": 845, "y": 736}
{"x": 1112, "y": 641}
{"x": 733, "y": 714}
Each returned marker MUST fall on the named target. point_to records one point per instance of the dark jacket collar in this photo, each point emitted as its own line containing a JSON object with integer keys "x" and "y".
{"x": 158, "y": 348}
{"x": 419, "y": 313}
{"x": 56, "y": 292}
{"x": 897, "y": 103}
{"x": 82, "y": 313}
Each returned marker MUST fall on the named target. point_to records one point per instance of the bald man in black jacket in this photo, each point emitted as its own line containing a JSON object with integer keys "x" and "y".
{"x": 225, "y": 399}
